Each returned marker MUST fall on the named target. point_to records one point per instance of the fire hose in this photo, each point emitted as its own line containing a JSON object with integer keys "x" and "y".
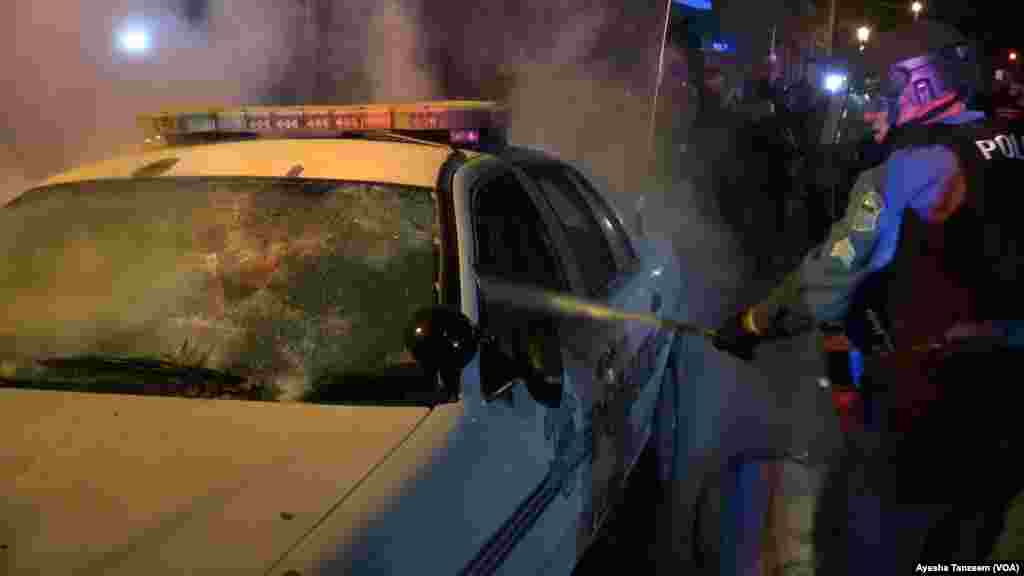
{"x": 561, "y": 304}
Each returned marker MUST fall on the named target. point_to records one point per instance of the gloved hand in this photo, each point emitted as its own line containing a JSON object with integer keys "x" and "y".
{"x": 736, "y": 337}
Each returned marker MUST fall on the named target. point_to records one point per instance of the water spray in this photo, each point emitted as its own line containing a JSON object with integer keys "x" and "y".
{"x": 560, "y": 304}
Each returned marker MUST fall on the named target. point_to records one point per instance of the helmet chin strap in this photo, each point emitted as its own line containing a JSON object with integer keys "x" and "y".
{"x": 939, "y": 107}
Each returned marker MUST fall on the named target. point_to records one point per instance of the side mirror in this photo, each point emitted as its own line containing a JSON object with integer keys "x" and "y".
{"x": 440, "y": 338}
{"x": 444, "y": 340}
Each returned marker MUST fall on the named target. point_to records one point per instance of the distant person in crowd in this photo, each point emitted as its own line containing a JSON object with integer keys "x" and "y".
{"x": 1007, "y": 96}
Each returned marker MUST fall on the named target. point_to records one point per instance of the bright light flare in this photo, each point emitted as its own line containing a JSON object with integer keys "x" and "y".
{"x": 133, "y": 41}
{"x": 1013, "y": 55}
{"x": 863, "y": 34}
{"x": 916, "y": 7}
{"x": 834, "y": 82}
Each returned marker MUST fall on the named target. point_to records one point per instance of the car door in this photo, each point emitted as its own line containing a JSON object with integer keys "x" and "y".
{"x": 512, "y": 244}
{"x": 641, "y": 285}
{"x": 614, "y": 363}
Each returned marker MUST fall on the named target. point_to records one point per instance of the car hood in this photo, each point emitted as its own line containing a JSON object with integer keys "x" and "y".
{"x": 114, "y": 484}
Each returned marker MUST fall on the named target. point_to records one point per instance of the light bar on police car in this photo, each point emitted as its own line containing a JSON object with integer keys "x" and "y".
{"x": 463, "y": 119}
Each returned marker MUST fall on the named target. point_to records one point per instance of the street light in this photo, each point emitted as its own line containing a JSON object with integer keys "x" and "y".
{"x": 133, "y": 40}
{"x": 916, "y": 8}
{"x": 863, "y": 33}
{"x": 835, "y": 82}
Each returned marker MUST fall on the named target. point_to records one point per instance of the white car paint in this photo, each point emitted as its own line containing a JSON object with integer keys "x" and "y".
{"x": 113, "y": 484}
{"x": 358, "y": 160}
{"x": 199, "y": 487}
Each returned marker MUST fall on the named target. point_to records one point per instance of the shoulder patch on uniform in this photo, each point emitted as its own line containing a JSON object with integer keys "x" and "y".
{"x": 865, "y": 219}
{"x": 844, "y": 251}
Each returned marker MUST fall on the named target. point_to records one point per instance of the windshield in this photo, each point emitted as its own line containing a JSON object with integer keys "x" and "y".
{"x": 300, "y": 288}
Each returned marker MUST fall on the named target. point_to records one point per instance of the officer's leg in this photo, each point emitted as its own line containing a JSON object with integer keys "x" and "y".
{"x": 972, "y": 528}
{"x": 1009, "y": 543}
{"x": 983, "y": 424}
{"x": 874, "y": 511}
{"x": 831, "y": 516}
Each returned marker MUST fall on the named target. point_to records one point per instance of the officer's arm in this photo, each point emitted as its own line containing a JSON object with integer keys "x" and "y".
{"x": 865, "y": 240}
{"x": 820, "y": 289}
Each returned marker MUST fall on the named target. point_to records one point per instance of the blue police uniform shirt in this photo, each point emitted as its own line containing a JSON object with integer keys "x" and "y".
{"x": 865, "y": 240}
{"x": 914, "y": 178}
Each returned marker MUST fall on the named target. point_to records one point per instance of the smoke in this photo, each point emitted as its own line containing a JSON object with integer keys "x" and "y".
{"x": 71, "y": 96}
{"x": 582, "y": 79}
{"x": 397, "y": 65}
{"x": 373, "y": 51}
{"x": 578, "y": 76}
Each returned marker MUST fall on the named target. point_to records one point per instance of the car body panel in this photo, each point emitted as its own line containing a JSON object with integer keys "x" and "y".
{"x": 559, "y": 500}
{"x": 115, "y": 484}
{"x": 618, "y": 412}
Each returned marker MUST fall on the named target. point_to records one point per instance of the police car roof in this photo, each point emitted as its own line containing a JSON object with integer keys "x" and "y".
{"x": 335, "y": 159}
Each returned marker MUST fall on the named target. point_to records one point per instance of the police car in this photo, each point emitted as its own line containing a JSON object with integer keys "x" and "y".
{"x": 267, "y": 343}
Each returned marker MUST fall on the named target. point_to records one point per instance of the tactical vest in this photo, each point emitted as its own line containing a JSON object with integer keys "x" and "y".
{"x": 964, "y": 266}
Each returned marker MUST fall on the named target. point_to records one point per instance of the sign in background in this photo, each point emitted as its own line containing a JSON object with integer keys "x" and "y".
{"x": 693, "y": 24}
{"x": 698, "y": 4}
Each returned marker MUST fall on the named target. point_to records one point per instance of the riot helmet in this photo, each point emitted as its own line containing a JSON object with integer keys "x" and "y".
{"x": 919, "y": 65}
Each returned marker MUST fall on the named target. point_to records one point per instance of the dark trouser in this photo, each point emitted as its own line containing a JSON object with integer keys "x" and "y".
{"x": 936, "y": 494}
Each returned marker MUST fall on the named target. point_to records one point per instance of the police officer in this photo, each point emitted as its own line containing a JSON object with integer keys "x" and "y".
{"x": 927, "y": 257}
{"x": 847, "y": 161}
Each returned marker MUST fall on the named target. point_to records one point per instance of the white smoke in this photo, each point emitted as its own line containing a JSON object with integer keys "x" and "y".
{"x": 71, "y": 96}
{"x": 570, "y": 98}
{"x": 397, "y": 65}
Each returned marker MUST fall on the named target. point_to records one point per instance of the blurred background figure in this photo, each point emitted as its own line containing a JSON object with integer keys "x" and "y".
{"x": 714, "y": 88}
{"x": 1007, "y": 96}
{"x": 764, "y": 156}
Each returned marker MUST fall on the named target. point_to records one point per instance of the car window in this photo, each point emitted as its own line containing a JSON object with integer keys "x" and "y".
{"x": 590, "y": 249}
{"x": 625, "y": 255}
{"x": 298, "y": 290}
{"x": 512, "y": 245}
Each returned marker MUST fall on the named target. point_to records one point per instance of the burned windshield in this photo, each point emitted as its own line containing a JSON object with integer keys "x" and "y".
{"x": 296, "y": 289}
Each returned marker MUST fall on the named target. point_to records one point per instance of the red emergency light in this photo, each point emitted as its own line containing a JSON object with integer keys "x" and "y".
{"x": 1013, "y": 56}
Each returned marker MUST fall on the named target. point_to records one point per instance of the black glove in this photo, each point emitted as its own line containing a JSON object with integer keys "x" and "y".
{"x": 734, "y": 338}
